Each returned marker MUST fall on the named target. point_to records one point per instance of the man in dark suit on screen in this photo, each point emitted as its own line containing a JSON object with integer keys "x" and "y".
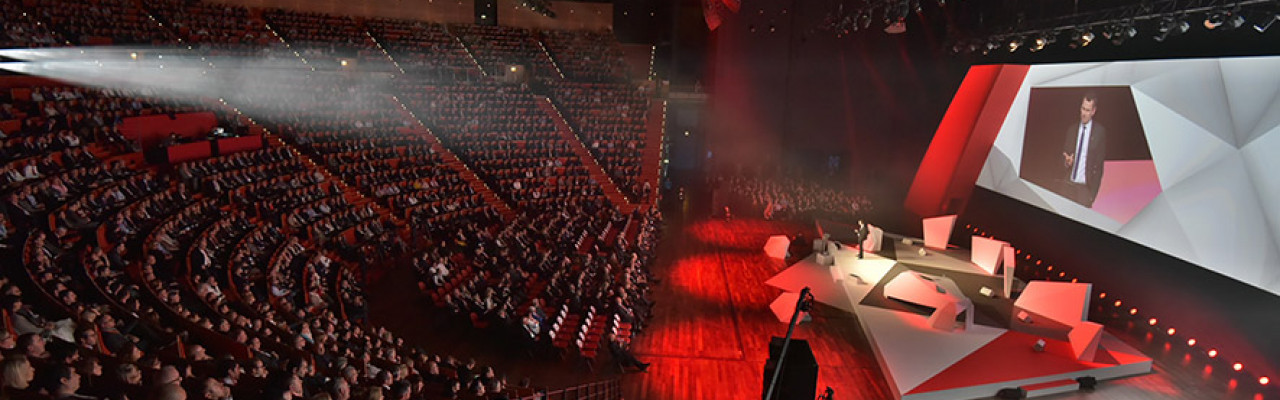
{"x": 1083, "y": 154}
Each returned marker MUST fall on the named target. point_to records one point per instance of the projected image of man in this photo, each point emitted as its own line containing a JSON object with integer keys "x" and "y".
{"x": 1084, "y": 153}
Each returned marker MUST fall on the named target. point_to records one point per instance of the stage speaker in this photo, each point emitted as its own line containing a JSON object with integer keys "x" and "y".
{"x": 799, "y": 378}
{"x": 1087, "y": 382}
{"x": 1011, "y": 393}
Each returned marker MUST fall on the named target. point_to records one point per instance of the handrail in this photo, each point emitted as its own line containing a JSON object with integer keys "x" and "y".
{"x": 610, "y": 389}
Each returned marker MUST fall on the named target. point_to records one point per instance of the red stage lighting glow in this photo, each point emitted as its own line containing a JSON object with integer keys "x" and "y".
{"x": 1133, "y": 311}
{"x": 1049, "y": 269}
{"x": 1191, "y": 342}
{"x": 1171, "y": 331}
{"x": 1152, "y": 322}
{"x": 1118, "y": 303}
{"x": 1102, "y": 295}
{"x": 1213, "y": 353}
{"x": 1062, "y": 274}
{"x": 1037, "y": 262}
{"x": 1264, "y": 380}
{"x": 1237, "y": 366}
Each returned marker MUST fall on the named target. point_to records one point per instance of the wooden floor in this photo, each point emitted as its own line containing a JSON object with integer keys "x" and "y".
{"x": 711, "y": 328}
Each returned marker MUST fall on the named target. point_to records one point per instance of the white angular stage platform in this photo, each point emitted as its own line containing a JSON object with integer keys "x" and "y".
{"x": 998, "y": 351}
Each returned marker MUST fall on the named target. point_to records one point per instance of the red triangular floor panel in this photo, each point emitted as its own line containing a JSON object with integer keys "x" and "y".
{"x": 1008, "y": 357}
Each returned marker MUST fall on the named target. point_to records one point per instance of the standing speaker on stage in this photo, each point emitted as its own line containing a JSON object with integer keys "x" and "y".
{"x": 862, "y": 237}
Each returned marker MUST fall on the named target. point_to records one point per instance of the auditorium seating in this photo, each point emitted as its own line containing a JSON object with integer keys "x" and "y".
{"x": 425, "y": 50}
{"x": 496, "y": 48}
{"x": 500, "y": 131}
{"x": 262, "y": 253}
{"x": 215, "y": 29}
{"x": 610, "y": 120}
{"x": 324, "y": 41}
{"x": 102, "y": 22}
{"x": 586, "y": 56}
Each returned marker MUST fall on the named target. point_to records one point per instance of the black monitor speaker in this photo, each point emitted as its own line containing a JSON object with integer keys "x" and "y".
{"x": 1011, "y": 393}
{"x": 1087, "y": 382}
{"x": 799, "y": 378}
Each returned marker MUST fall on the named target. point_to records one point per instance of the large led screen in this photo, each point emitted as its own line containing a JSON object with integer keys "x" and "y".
{"x": 1182, "y": 156}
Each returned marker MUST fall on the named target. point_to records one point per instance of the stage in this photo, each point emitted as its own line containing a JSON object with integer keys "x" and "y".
{"x": 995, "y": 351}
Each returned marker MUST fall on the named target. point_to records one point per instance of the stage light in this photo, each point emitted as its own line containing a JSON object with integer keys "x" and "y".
{"x": 1118, "y": 303}
{"x": 1191, "y": 342}
{"x": 1038, "y": 44}
{"x": 1171, "y": 331}
{"x": 1237, "y": 366}
{"x": 1014, "y": 44}
{"x": 1267, "y": 21}
{"x": 1133, "y": 311}
{"x": 1213, "y": 353}
{"x": 1264, "y": 380}
{"x": 1086, "y": 38}
{"x": 1152, "y": 322}
{"x": 1050, "y": 268}
{"x": 1062, "y": 274}
{"x": 133, "y": 56}
{"x": 1102, "y": 295}
{"x": 343, "y": 62}
{"x": 1234, "y": 21}
{"x": 1214, "y": 19}
{"x": 1038, "y": 262}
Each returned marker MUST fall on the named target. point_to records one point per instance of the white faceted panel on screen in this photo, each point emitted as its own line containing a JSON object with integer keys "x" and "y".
{"x": 1213, "y": 130}
{"x": 1260, "y": 158}
{"x": 1189, "y": 149}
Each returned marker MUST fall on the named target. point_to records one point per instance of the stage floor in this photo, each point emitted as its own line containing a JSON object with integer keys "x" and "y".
{"x": 921, "y": 362}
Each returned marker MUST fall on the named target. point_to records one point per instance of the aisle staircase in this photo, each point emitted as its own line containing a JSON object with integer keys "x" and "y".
{"x": 594, "y": 169}
{"x": 651, "y": 158}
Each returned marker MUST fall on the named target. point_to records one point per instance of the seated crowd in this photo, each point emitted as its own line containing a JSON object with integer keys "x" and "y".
{"x": 779, "y": 198}
{"x": 425, "y": 50}
{"x": 610, "y": 120}
{"x": 242, "y": 275}
{"x": 324, "y": 40}
{"x": 512, "y": 142}
{"x": 497, "y": 47}
{"x": 586, "y": 56}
